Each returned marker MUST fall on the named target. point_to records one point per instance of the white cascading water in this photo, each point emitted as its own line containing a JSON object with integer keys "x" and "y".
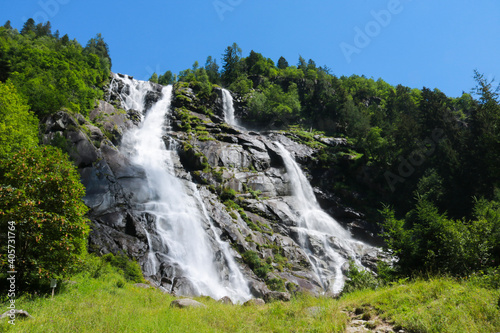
{"x": 228, "y": 107}
{"x": 182, "y": 222}
{"x": 328, "y": 245}
{"x": 326, "y": 242}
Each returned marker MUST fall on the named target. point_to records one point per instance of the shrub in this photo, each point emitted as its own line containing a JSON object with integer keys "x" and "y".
{"x": 227, "y": 194}
{"x": 131, "y": 269}
{"x": 259, "y": 267}
{"x": 41, "y": 204}
{"x": 358, "y": 279}
{"x": 18, "y": 126}
{"x": 276, "y": 284}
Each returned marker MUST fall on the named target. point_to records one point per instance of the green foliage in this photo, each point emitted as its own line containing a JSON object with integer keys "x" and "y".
{"x": 166, "y": 79}
{"x": 275, "y": 105}
{"x": 198, "y": 80}
{"x": 41, "y": 195}
{"x": 489, "y": 279}
{"x": 358, "y": 279}
{"x": 54, "y": 73}
{"x": 99, "y": 47}
{"x": 276, "y": 284}
{"x": 18, "y": 126}
{"x": 227, "y": 194}
{"x": 153, "y": 78}
{"x": 258, "y": 266}
{"x": 131, "y": 269}
{"x": 282, "y": 63}
{"x": 241, "y": 85}
{"x": 212, "y": 70}
{"x": 89, "y": 305}
{"x": 436, "y": 305}
{"x": 231, "y": 63}
{"x": 427, "y": 241}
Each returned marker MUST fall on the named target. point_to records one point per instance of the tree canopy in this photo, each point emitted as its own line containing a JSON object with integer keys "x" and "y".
{"x": 41, "y": 200}
{"x": 53, "y": 73}
{"x": 18, "y": 126}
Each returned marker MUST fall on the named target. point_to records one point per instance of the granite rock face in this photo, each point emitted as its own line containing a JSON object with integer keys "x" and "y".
{"x": 240, "y": 177}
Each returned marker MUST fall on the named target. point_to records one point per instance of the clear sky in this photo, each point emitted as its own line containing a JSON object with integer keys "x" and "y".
{"x": 431, "y": 43}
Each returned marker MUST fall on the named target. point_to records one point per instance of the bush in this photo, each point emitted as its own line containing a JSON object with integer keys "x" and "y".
{"x": 130, "y": 269}
{"x": 358, "y": 279}
{"x": 41, "y": 204}
{"x": 276, "y": 284}
{"x": 259, "y": 267}
{"x": 227, "y": 194}
{"x": 18, "y": 126}
{"x": 427, "y": 241}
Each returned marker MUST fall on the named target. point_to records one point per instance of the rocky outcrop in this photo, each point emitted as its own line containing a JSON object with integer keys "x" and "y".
{"x": 239, "y": 176}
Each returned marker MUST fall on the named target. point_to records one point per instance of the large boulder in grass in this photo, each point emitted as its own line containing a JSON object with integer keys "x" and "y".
{"x": 186, "y": 303}
{"x": 254, "y": 302}
{"x": 277, "y": 296}
{"x": 226, "y": 300}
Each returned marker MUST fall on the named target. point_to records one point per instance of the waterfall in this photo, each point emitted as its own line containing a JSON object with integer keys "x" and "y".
{"x": 328, "y": 245}
{"x": 228, "y": 107}
{"x": 182, "y": 239}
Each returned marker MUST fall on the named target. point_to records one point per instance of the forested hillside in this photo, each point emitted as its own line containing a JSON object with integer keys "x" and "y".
{"x": 425, "y": 163}
{"x": 40, "y": 190}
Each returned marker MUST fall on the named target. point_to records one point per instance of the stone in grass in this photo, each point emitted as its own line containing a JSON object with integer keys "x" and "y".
{"x": 277, "y": 296}
{"x": 254, "y": 302}
{"x": 226, "y": 300}
{"x": 186, "y": 303}
{"x": 17, "y": 313}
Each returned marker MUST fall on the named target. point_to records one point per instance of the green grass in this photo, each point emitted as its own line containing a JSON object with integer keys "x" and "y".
{"x": 100, "y": 305}
{"x": 438, "y": 305}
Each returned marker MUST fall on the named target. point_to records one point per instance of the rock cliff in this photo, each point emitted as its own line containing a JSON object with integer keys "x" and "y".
{"x": 239, "y": 175}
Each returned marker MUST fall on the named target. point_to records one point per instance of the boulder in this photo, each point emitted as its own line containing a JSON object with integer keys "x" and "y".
{"x": 17, "y": 313}
{"x": 186, "y": 303}
{"x": 255, "y": 302}
{"x": 277, "y": 296}
{"x": 225, "y": 300}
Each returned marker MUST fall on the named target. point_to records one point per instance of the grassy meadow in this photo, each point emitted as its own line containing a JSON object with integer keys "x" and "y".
{"x": 109, "y": 304}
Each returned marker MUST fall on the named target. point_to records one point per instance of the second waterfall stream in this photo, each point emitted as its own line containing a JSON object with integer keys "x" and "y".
{"x": 180, "y": 232}
{"x": 327, "y": 244}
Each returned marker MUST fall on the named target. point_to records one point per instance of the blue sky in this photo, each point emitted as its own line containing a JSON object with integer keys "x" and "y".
{"x": 417, "y": 43}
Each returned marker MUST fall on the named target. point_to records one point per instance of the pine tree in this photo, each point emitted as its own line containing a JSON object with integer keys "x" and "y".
{"x": 29, "y": 26}
{"x": 7, "y": 25}
{"x": 212, "y": 70}
{"x": 282, "y": 63}
{"x": 231, "y": 60}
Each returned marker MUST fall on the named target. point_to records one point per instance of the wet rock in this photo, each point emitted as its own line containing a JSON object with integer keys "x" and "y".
{"x": 226, "y": 300}
{"x": 258, "y": 289}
